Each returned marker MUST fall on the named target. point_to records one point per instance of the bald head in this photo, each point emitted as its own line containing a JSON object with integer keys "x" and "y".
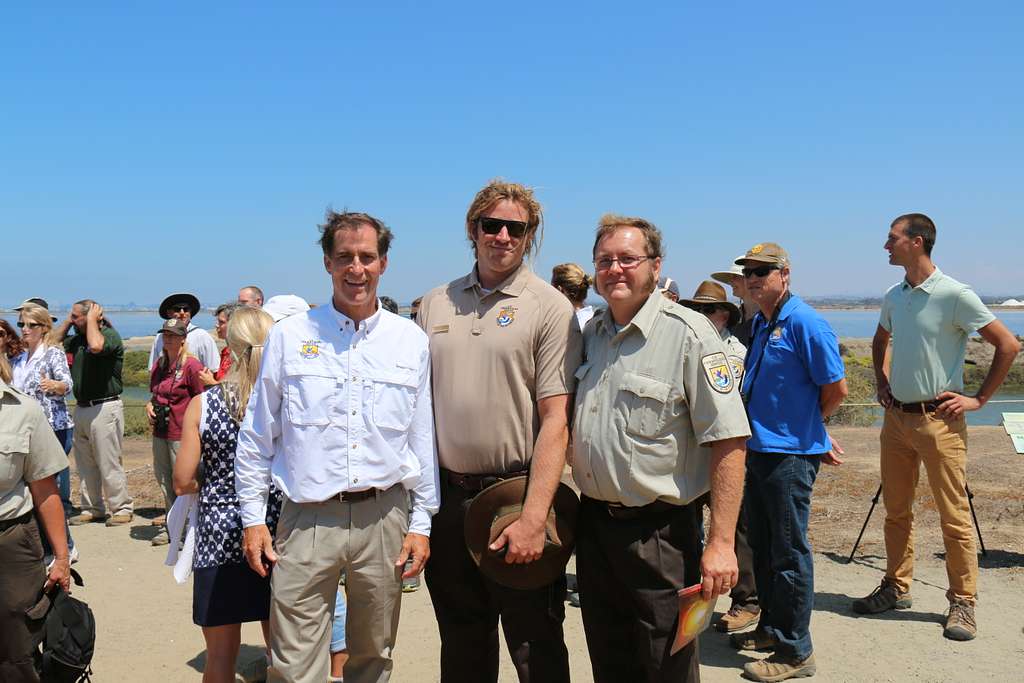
{"x": 251, "y": 296}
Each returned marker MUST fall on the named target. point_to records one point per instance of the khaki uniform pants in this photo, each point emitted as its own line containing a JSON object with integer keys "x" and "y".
{"x": 97, "y": 443}
{"x": 165, "y": 452}
{"x": 909, "y": 439}
{"x": 315, "y": 541}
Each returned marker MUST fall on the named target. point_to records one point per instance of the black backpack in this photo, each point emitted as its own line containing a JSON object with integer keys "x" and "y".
{"x": 69, "y": 637}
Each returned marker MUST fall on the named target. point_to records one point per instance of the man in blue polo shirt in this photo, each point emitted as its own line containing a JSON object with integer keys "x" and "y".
{"x": 795, "y": 378}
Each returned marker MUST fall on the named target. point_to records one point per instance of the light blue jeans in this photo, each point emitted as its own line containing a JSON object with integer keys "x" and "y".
{"x": 338, "y": 629}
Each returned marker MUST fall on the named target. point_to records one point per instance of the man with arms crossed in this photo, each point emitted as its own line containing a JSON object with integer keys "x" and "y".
{"x": 795, "y": 379}
{"x": 929, "y": 317}
{"x": 340, "y": 419}
{"x": 98, "y": 355}
{"x": 504, "y": 346}
{"x": 658, "y": 421}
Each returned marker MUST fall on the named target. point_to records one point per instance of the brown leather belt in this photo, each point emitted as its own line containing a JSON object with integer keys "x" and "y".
{"x": 477, "y": 482}
{"x": 918, "y": 407}
{"x": 623, "y": 512}
{"x": 356, "y": 496}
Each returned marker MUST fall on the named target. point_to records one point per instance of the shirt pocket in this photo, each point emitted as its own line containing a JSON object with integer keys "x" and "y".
{"x": 394, "y": 399}
{"x": 310, "y": 398}
{"x": 14, "y": 448}
{"x": 645, "y": 401}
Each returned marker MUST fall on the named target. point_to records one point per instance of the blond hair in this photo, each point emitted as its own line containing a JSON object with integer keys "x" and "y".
{"x": 572, "y": 280}
{"x": 164, "y": 361}
{"x": 247, "y": 331}
{"x": 498, "y": 190}
{"x": 39, "y": 315}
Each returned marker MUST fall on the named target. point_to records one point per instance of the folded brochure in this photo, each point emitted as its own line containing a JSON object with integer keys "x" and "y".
{"x": 694, "y": 616}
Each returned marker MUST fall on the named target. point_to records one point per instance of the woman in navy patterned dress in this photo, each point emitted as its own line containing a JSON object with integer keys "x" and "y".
{"x": 225, "y": 591}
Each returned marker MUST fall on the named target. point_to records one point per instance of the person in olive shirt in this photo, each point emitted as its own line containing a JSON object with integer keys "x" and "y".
{"x": 99, "y": 415}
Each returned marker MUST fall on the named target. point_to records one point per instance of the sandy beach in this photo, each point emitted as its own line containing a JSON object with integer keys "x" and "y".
{"x": 145, "y": 631}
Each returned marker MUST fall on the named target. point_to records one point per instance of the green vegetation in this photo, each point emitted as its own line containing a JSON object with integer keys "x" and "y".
{"x": 860, "y": 381}
{"x": 135, "y": 421}
{"x": 136, "y": 371}
{"x": 974, "y": 375}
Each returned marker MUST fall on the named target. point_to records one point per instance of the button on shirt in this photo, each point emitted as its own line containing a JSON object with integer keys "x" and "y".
{"x": 930, "y": 325}
{"x": 200, "y": 344}
{"x": 339, "y": 408}
{"x": 649, "y": 400}
{"x": 789, "y": 361}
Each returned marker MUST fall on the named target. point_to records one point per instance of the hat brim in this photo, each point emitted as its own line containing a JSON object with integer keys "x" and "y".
{"x": 500, "y": 504}
{"x": 189, "y": 300}
{"x": 734, "y": 310}
{"x": 725, "y": 276}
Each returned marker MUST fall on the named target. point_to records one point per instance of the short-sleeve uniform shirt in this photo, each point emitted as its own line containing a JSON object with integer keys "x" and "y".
{"x": 29, "y": 451}
{"x": 791, "y": 357}
{"x": 650, "y": 399}
{"x": 930, "y": 325}
{"x": 494, "y": 355}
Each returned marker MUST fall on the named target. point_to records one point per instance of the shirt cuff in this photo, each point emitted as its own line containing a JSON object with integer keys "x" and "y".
{"x": 253, "y": 513}
{"x": 419, "y": 522}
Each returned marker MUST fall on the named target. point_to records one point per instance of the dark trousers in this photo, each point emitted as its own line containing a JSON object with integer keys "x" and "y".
{"x": 744, "y": 593}
{"x": 629, "y": 573}
{"x": 467, "y": 606}
{"x": 21, "y": 579}
{"x": 778, "y": 499}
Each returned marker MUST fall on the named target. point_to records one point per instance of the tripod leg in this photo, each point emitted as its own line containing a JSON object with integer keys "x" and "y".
{"x": 874, "y": 502}
{"x": 974, "y": 515}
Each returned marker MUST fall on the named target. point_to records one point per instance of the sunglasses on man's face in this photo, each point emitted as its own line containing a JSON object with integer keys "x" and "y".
{"x": 31, "y": 326}
{"x": 760, "y": 271}
{"x": 179, "y": 309}
{"x": 492, "y": 226}
{"x": 705, "y": 309}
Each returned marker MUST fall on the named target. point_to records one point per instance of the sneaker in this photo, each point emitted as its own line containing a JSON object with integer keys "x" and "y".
{"x": 886, "y": 597}
{"x": 738, "y": 618}
{"x": 753, "y": 640}
{"x": 161, "y": 538}
{"x": 779, "y": 668}
{"x": 960, "y": 623}
{"x": 85, "y": 517}
{"x": 73, "y": 554}
{"x": 119, "y": 519}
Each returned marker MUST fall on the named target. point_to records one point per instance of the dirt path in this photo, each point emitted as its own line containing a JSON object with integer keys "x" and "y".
{"x": 146, "y": 631}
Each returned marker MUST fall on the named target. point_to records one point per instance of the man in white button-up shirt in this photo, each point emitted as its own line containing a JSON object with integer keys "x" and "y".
{"x": 341, "y": 420}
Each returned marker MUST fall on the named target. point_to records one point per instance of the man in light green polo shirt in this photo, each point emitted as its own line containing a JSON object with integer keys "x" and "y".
{"x": 929, "y": 316}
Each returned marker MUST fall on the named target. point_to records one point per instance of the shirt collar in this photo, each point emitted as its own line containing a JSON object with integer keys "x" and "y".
{"x": 929, "y": 282}
{"x": 644, "y": 318}
{"x": 513, "y": 285}
{"x": 369, "y": 324}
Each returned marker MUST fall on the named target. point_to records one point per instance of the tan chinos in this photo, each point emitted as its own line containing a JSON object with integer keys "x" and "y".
{"x": 99, "y": 430}
{"x": 315, "y": 541}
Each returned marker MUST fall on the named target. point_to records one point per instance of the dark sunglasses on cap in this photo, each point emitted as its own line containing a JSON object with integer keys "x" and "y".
{"x": 492, "y": 226}
{"x": 760, "y": 271}
{"x": 30, "y": 325}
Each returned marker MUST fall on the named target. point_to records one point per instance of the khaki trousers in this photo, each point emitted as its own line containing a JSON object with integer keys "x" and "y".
{"x": 315, "y": 541}
{"x": 165, "y": 452}
{"x": 909, "y": 439}
{"x": 97, "y": 444}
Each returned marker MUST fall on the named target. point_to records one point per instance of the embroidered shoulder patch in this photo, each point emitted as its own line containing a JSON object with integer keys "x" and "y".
{"x": 737, "y": 368}
{"x": 717, "y": 372}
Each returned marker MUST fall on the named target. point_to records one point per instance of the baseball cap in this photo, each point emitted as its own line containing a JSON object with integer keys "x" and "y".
{"x": 667, "y": 283}
{"x": 174, "y": 326}
{"x": 765, "y": 252}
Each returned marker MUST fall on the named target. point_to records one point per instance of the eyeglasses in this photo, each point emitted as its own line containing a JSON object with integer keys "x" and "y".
{"x": 492, "y": 226}
{"x": 760, "y": 271}
{"x": 625, "y": 262}
{"x": 705, "y": 309}
{"x": 179, "y": 309}
{"x": 31, "y": 326}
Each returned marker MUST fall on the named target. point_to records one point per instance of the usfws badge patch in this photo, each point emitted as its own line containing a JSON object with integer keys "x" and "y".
{"x": 310, "y": 349}
{"x": 506, "y": 316}
{"x": 737, "y": 368}
{"x": 717, "y": 372}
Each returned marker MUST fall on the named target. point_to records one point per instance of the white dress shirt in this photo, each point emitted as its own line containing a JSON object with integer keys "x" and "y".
{"x": 336, "y": 408}
{"x": 200, "y": 344}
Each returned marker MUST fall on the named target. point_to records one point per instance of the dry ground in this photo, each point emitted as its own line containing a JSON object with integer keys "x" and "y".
{"x": 146, "y": 634}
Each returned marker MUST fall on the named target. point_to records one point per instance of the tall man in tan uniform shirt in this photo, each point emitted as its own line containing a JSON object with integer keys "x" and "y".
{"x": 658, "y": 420}
{"x": 504, "y": 348}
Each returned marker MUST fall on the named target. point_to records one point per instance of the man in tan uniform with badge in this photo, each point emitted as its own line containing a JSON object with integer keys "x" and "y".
{"x": 504, "y": 347}
{"x": 658, "y": 421}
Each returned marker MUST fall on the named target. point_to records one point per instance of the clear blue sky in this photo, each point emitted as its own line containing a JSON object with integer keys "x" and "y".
{"x": 147, "y": 148}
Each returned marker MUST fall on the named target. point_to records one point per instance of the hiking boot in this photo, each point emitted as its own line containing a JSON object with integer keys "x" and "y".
{"x": 886, "y": 597}
{"x": 960, "y": 623}
{"x": 738, "y": 618}
{"x": 119, "y": 519}
{"x": 158, "y": 521}
{"x": 85, "y": 517}
{"x": 779, "y": 668}
{"x": 162, "y": 538}
{"x": 753, "y": 640}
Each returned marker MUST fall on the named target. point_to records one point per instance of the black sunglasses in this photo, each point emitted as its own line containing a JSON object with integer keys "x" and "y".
{"x": 760, "y": 271}
{"x": 31, "y": 325}
{"x": 179, "y": 309}
{"x": 492, "y": 226}
{"x": 706, "y": 309}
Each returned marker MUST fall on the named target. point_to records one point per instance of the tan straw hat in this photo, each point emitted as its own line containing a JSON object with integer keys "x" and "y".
{"x": 713, "y": 293}
{"x": 727, "y": 276}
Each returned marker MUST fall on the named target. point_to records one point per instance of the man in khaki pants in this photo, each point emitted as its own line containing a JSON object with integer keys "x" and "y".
{"x": 341, "y": 420}
{"x": 929, "y": 316}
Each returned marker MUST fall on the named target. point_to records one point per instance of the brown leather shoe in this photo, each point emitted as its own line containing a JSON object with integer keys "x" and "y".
{"x": 85, "y": 517}
{"x": 885, "y": 597}
{"x": 960, "y": 622}
{"x": 738, "y": 618}
{"x": 779, "y": 668}
{"x": 753, "y": 640}
{"x": 119, "y": 519}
